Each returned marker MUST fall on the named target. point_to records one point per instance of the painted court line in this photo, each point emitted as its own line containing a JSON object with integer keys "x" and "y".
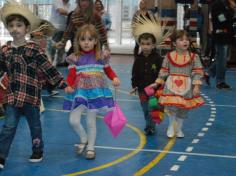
{"x": 211, "y": 119}
{"x": 208, "y": 124}
{"x": 174, "y": 168}
{"x": 195, "y": 141}
{"x": 189, "y": 149}
{"x": 182, "y": 158}
{"x": 170, "y": 152}
{"x": 200, "y": 134}
{"x": 204, "y": 129}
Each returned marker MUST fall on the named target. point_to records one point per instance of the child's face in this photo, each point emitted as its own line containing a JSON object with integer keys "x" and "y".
{"x": 84, "y": 4}
{"x": 182, "y": 44}
{"x": 98, "y": 6}
{"x": 146, "y": 46}
{"x": 87, "y": 42}
{"x": 17, "y": 29}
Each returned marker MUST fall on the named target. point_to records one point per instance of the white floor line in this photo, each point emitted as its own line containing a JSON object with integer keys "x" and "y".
{"x": 211, "y": 119}
{"x": 182, "y": 158}
{"x": 174, "y": 168}
{"x": 189, "y": 149}
{"x": 205, "y": 129}
{"x": 208, "y": 124}
{"x": 213, "y": 115}
{"x": 195, "y": 141}
{"x": 200, "y": 134}
{"x": 171, "y": 152}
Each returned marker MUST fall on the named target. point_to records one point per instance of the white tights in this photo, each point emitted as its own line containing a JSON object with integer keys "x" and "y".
{"x": 75, "y": 121}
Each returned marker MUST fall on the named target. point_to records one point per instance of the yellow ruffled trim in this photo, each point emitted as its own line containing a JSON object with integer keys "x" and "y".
{"x": 181, "y": 101}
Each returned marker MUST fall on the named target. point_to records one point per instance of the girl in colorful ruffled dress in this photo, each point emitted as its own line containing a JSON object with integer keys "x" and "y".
{"x": 87, "y": 88}
{"x": 181, "y": 73}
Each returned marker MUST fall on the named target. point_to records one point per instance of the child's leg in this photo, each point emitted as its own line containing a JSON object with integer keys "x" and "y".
{"x": 32, "y": 115}
{"x": 75, "y": 121}
{"x": 171, "y": 112}
{"x": 8, "y": 130}
{"x": 181, "y": 115}
{"x": 171, "y": 131}
{"x": 179, "y": 125}
{"x": 146, "y": 112}
{"x": 92, "y": 129}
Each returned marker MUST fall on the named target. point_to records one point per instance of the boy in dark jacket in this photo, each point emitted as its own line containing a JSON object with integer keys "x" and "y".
{"x": 144, "y": 72}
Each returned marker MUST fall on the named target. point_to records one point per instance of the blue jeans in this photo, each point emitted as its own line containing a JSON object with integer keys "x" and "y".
{"x": 218, "y": 68}
{"x": 7, "y": 134}
{"x": 146, "y": 110}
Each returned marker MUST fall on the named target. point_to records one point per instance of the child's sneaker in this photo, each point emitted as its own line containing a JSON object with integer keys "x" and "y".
{"x": 2, "y": 163}
{"x": 149, "y": 131}
{"x": 36, "y": 157}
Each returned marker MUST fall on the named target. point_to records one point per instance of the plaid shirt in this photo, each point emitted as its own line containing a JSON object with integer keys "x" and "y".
{"x": 22, "y": 65}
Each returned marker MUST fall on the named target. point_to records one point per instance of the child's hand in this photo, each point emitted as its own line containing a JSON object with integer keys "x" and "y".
{"x": 196, "y": 90}
{"x": 116, "y": 82}
{"x": 69, "y": 89}
{"x": 4, "y": 81}
{"x": 153, "y": 85}
{"x": 133, "y": 91}
{"x": 106, "y": 53}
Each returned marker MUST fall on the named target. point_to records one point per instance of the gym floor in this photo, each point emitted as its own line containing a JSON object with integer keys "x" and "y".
{"x": 208, "y": 148}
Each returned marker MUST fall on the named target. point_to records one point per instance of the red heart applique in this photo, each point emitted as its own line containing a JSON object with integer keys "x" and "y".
{"x": 178, "y": 82}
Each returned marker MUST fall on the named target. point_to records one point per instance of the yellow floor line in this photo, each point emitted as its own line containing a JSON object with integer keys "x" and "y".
{"x": 140, "y": 147}
{"x": 157, "y": 159}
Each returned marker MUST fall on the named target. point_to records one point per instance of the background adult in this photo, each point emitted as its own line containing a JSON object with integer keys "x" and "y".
{"x": 60, "y": 10}
{"x": 222, "y": 32}
{"x": 86, "y": 14}
{"x": 106, "y": 18}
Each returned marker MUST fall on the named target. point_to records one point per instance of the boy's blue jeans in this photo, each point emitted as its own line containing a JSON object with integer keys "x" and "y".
{"x": 7, "y": 134}
{"x": 146, "y": 110}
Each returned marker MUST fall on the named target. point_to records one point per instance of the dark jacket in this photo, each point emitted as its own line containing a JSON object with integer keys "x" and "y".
{"x": 222, "y": 20}
{"x": 145, "y": 70}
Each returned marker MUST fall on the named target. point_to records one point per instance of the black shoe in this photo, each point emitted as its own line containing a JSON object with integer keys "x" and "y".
{"x": 223, "y": 85}
{"x": 36, "y": 157}
{"x": 149, "y": 131}
{"x": 2, "y": 163}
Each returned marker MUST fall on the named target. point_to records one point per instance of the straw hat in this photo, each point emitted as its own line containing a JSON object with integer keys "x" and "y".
{"x": 45, "y": 27}
{"x": 12, "y": 7}
{"x": 153, "y": 26}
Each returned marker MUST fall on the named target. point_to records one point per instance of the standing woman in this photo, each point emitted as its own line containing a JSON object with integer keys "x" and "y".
{"x": 106, "y": 18}
{"x": 86, "y": 14}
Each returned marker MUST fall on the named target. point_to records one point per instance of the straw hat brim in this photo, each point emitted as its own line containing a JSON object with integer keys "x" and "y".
{"x": 18, "y": 9}
{"x": 47, "y": 28}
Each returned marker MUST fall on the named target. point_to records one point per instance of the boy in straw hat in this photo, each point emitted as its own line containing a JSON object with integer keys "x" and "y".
{"x": 148, "y": 33}
{"x": 21, "y": 60}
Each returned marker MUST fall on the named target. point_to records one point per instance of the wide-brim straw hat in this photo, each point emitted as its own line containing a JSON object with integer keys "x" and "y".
{"x": 46, "y": 27}
{"x": 153, "y": 26}
{"x": 14, "y": 8}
